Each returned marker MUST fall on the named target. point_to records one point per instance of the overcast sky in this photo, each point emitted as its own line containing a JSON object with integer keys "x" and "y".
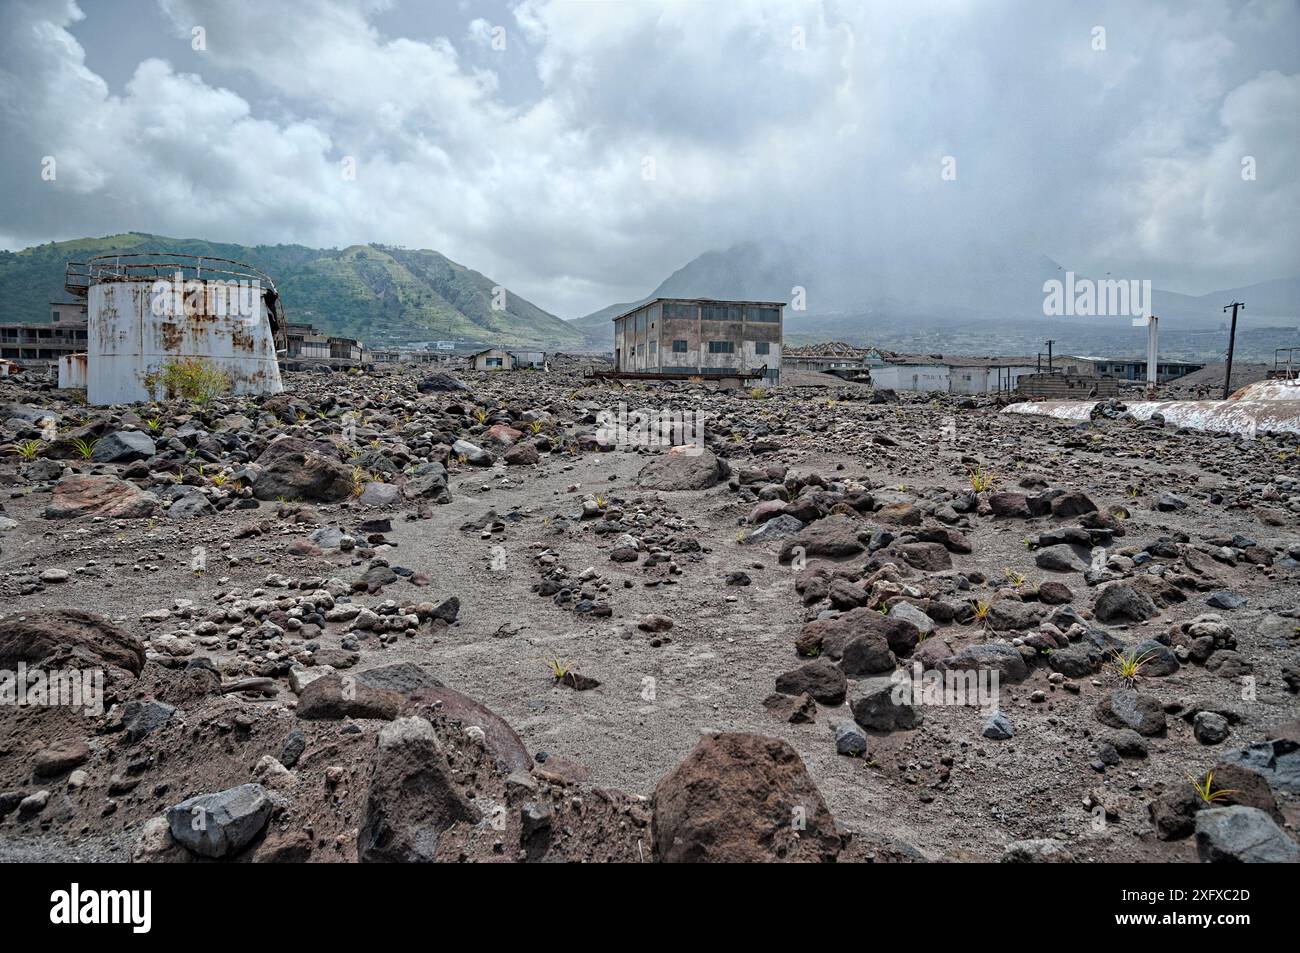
{"x": 578, "y": 152}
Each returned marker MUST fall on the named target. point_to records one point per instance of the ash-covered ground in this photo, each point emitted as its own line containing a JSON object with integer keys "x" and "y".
{"x": 408, "y": 616}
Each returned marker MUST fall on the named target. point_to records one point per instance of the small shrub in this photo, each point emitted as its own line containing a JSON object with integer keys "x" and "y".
{"x": 192, "y": 378}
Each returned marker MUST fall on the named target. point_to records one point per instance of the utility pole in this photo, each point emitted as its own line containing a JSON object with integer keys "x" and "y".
{"x": 1049, "y": 355}
{"x": 1153, "y": 325}
{"x": 1232, "y": 340}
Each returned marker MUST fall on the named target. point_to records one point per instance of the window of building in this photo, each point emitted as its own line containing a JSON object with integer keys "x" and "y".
{"x": 722, "y": 347}
{"x": 768, "y": 315}
{"x": 680, "y": 312}
{"x": 494, "y": 362}
{"x": 679, "y": 347}
{"x": 762, "y": 347}
{"x": 654, "y": 347}
{"x": 719, "y": 312}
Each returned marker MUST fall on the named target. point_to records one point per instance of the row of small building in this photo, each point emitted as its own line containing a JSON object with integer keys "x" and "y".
{"x": 978, "y": 375}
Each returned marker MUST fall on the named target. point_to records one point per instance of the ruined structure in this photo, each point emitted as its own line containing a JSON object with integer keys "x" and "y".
{"x": 501, "y": 359}
{"x": 32, "y": 345}
{"x": 146, "y": 311}
{"x": 700, "y": 337}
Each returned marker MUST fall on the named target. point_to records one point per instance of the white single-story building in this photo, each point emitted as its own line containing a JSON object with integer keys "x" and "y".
{"x": 953, "y": 375}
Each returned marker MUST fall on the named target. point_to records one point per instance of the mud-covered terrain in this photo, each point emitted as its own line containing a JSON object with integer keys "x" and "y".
{"x": 414, "y": 616}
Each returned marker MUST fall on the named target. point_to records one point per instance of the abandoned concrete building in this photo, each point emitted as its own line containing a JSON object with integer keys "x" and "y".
{"x": 500, "y": 359}
{"x": 37, "y": 346}
{"x": 929, "y": 373}
{"x": 305, "y": 345}
{"x": 1126, "y": 369}
{"x": 146, "y": 311}
{"x": 700, "y": 337}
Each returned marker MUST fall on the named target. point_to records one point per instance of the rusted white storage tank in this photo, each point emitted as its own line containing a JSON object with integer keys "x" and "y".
{"x": 146, "y": 312}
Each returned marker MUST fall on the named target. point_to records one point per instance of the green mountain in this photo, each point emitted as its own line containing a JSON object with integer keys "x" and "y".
{"x": 376, "y": 293}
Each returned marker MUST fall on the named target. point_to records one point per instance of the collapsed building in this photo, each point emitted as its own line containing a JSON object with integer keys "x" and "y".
{"x": 147, "y": 311}
{"x": 833, "y": 356}
{"x": 303, "y": 344}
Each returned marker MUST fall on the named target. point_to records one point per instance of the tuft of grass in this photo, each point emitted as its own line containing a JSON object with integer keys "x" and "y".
{"x": 982, "y": 608}
{"x": 535, "y": 427}
{"x": 758, "y": 393}
{"x": 481, "y": 415}
{"x": 1129, "y": 665}
{"x": 1206, "y": 791}
{"x": 981, "y": 480}
{"x": 28, "y": 449}
{"x": 358, "y": 481}
{"x": 558, "y": 669}
{"x": 84, "y": 448}
{"x": 154, "y": 424}
{"x": 1015, "y": 579}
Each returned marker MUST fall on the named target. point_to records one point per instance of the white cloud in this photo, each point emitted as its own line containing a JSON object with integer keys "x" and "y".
{"x": 830, "y": 136}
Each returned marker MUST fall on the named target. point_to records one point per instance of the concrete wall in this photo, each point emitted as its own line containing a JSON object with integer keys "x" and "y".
{"x": 1066, "y": 387}
{"x": 913, "y": 377}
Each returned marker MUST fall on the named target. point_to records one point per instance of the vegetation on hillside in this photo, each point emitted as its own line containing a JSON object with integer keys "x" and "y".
{"x": 376, "y": 293}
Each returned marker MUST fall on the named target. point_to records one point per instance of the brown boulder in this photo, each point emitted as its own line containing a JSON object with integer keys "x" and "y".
{"x": 303, "y": 475}
{"x": 33, "y": 636}
{"x": 332, "y": 697}
{"x": 413, "y": 797}
{"x": 107, "y": 496}
{"x": 741, "y": 798}
{"x": 499, "y": 738}
{"x": 684, "y": 467}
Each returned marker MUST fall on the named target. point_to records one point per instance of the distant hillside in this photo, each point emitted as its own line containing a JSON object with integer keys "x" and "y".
{"x": 866, "y": 300}
{"x": 375, "y": 293}
{"x": 749, "y": 271}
